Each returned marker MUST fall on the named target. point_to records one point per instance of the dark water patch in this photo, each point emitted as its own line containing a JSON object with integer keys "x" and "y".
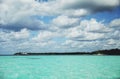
{"x": 117, "y": 78}
{"x": 19, "y": 57}
{"x": 1, "y": 75}
{"x": 22, "y": 58}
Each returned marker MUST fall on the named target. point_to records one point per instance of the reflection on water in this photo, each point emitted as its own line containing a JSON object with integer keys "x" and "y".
{"x": 33, "y": 58}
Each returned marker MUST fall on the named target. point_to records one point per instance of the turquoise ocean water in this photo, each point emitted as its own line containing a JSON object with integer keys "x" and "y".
{"x": 59, "y": 67}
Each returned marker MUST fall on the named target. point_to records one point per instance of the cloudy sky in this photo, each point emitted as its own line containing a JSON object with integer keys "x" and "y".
{"x": 59, "y": 25}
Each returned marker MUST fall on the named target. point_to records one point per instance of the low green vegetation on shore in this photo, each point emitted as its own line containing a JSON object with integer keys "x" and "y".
{"x": 100, "y": 52}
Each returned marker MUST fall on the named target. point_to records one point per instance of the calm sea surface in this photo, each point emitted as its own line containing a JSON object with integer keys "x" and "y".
{"x": 59, "y": 67}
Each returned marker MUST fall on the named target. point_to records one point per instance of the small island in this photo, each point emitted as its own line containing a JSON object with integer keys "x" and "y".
{"x": 99, "y": 52}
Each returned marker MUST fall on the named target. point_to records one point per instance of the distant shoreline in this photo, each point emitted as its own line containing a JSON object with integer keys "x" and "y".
{"x": 114, "y": 52}
{"x": 100, "y": 52}
{"x": 59, "y": 55}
